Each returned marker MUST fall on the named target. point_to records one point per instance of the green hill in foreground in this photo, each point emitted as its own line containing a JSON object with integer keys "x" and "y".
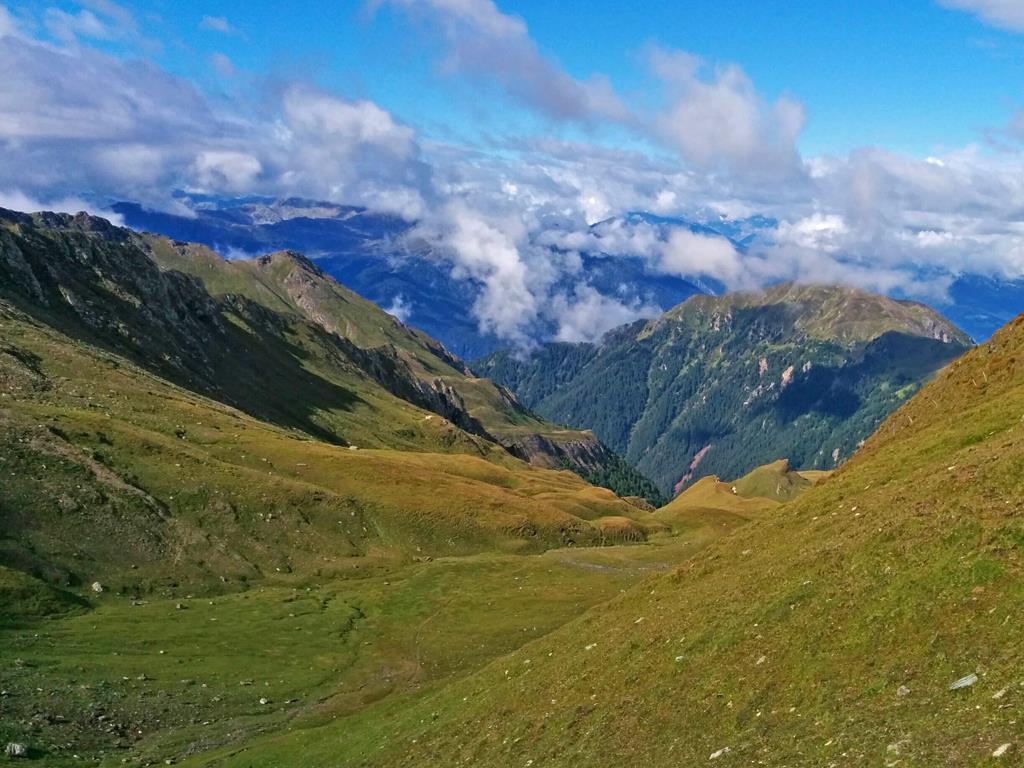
{"x": 874, "y": 620}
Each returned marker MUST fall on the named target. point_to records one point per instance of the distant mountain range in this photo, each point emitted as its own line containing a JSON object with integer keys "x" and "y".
{"x": 720, "y": 385}
{"x": 372, "y": 254}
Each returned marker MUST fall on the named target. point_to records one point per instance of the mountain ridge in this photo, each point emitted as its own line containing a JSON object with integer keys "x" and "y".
{"x": 113, "y": 356}
{"x": 720, "y": 385}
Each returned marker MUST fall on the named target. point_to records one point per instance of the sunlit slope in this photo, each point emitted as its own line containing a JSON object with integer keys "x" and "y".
{"x": 152, "y": 433}
{"x": 406, "y": 361}
{"x": 830, "y": 631}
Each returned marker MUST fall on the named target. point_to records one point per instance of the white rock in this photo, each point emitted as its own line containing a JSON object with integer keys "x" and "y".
{"x": 1001, "y": 750}
{"x": 719, "y": 753}
{"x": 964, "y": 682}
{"x": 14, "y": 749}
{"x": 97, "y": 587}
{"x": 902, "y": 691}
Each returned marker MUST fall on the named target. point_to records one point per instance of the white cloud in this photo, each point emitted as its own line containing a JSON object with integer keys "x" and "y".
{"x": 69, "y": 27}
{"x": 587, "y": 315}
{"x": 400, "y": 308}
{"x": 226, "y": 170}
{"x": 490, "y": 251}
{"x": 691, "y": 254}
{"x": 15, "y": 200}
{"x": 1008, "y": 14}
{"x": 718, "y": 120}
{"x": 217, "y": 24}
{"x": 515, "y": 217}
{"x": 484, "y": 42}
{"x": 8, "y": 26}
{"x": 822, "y": 232}
{"x": 129, "y": 129}
{"x": 96, "y": 20}
{"x": 223, "y": 64}
{"x": 353, "y": 151}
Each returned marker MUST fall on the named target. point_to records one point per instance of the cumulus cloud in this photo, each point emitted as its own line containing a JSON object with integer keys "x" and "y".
{"x": 127, "y": 128}
{"x": 718, "y": 120}
{"x": 517, "y": 220}
{"x": 16, "y": 200}
{"x": 399, "y": 308}
{"x": 1008, "y": 14}
{"x": 688, "y": 253}
{"x": 226, "y": 170}
{"x": 587, "y": 314}
{"x": 354, "y": 151}
{"x": 490, "y": 251}
{"x": 484, "y": 42}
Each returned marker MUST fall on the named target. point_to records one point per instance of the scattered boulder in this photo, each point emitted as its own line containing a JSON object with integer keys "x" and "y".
{"x": 97, "y": 587}
{"x": 902, "y": 691}
{"x": 14, "y": 749}
{"x": 719, "y": 753}
{"x": 1002, "y": 749}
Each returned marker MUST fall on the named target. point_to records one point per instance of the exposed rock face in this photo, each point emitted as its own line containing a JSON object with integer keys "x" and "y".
{"x": 540, "y": 450}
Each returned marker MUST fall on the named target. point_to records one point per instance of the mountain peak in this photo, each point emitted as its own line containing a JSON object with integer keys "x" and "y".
{"x": 839, "y": 313}
{"x": 290, "y": 258}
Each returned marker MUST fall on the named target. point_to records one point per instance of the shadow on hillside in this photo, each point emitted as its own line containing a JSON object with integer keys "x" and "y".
{"x": 229, "y": 349}
{"x": 837, "y": 391}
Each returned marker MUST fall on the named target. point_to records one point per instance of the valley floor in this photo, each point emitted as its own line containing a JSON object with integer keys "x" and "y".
{"x": 205, "y": 680}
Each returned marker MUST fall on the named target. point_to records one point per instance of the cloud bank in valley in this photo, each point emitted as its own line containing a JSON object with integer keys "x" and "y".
{"x": 516, "y": 216}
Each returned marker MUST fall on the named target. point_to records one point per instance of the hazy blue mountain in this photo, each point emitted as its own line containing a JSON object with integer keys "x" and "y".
{"x": 369, "y": 253}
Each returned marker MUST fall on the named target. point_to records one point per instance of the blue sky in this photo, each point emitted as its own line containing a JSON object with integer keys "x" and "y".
{"x": 886, "y": 140}
{"x": 912, "y": 76}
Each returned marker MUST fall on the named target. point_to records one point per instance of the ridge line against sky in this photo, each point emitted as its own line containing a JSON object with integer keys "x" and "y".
{"x": 516, "y": 156}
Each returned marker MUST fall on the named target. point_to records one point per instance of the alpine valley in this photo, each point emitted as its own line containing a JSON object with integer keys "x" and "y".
{"x": 511, "y": 384}
{"x": 249, "y": 518}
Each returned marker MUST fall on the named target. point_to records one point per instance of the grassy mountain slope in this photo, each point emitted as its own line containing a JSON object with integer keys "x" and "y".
{"x": 145, "y": 421}
{"x": 833, "y": 631}
{"x": 287, "y": 282}
{"x": 710, "y": 508}
{"x": 720, "y": 385}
